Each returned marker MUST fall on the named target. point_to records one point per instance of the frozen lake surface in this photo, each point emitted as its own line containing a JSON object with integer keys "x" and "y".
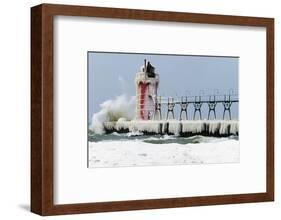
{"x": 119, "y": 150}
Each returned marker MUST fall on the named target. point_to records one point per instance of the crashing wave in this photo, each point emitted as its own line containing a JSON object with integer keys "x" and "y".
{"x": 113, "y": 110}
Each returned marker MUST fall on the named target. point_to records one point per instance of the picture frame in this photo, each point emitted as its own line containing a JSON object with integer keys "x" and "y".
{"x": 43, "y": 105}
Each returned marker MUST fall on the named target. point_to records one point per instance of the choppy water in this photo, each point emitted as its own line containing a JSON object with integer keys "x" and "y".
{"x": 155, "y": 139}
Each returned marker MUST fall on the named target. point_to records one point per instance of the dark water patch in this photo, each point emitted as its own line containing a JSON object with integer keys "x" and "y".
{"x": 156, "y": 139}
{"x": 143, "y": 155}
{"x": 92, "y": 137}
{"x": 178, "y": 140}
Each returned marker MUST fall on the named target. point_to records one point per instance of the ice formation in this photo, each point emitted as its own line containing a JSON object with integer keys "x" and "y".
{"x": 176, "y": 127}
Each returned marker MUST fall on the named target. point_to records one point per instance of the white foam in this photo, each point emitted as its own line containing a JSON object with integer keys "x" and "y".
{"x": 112, "y": 110}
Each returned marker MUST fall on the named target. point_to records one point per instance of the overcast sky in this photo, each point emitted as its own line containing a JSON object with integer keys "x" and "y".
{"x": 113, "y": 74}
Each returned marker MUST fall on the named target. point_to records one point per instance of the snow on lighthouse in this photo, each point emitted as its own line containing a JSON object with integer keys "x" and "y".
{"x": 147, "y": 82}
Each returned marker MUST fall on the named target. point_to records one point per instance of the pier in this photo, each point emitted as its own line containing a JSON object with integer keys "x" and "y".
{"x": 184, "y": 128}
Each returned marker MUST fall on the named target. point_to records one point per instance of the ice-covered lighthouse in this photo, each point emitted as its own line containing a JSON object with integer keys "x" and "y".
{"x": 147, "y": 82}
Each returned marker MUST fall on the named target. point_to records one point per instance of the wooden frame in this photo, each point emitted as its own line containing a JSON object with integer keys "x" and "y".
{"x": 42, "y": 109}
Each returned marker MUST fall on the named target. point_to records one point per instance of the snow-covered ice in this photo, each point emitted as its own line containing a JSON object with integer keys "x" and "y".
{"x": 116, "y": 153}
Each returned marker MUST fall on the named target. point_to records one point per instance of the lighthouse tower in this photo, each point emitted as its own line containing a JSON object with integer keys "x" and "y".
{"x": 147, "y": 82}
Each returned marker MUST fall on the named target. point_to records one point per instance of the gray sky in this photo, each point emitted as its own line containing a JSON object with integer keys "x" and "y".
{"x": 113, "y": 74}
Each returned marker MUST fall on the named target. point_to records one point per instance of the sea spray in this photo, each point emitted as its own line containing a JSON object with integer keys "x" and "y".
{"x": 112, "y": 110}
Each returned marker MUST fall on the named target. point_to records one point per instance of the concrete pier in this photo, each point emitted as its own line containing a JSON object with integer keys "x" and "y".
{"x": 185, "y": 128}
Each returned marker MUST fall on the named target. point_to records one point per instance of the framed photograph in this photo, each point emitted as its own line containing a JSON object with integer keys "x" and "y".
{"x": 139, "y": 109}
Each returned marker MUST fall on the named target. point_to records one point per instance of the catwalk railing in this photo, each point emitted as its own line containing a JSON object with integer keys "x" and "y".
{"x": 185, "y": 102}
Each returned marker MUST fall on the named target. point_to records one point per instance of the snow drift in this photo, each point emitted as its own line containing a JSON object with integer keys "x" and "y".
{"x": 139, "y": 153}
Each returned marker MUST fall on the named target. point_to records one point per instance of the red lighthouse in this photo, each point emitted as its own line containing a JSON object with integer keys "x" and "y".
{"x": 147, "y": 82}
